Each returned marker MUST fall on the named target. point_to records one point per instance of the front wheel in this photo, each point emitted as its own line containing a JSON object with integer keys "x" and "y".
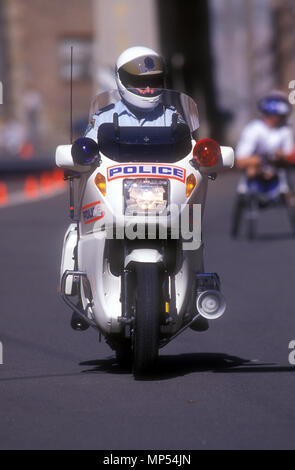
{"x": 147, "y": 318}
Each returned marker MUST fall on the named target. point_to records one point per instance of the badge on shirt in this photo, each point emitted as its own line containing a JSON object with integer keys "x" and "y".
{"x": 90, "y": 126}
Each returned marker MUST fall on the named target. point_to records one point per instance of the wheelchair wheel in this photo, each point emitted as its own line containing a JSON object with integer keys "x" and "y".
{"x": 291, "y": 214}
{"x": 252, "y": 213}
{"x": 239, "y": 207}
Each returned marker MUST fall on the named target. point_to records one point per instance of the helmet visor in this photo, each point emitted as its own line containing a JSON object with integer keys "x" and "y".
{"x": 129, "y": 80}
{"x": 143, "y": 72}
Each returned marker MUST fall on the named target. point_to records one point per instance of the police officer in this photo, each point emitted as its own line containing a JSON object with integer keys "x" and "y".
{"x": 140, "y": 76}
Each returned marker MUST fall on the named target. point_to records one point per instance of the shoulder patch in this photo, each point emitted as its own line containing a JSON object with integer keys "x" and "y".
{"x": 106, "y": 108}
{"x": 90, "y": 126}
{"x": 171, "y": 107}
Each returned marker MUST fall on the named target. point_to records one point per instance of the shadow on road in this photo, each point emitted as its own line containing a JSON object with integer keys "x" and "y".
{"x": 169, "y": 367}
{"x": 272, "y": 237}
{"x": 267, "y": 237}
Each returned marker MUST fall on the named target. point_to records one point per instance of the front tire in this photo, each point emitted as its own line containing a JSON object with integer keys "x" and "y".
{"x": 147, "y": 318}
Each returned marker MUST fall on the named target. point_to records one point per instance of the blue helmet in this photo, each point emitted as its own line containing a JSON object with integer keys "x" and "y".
{"x": 275, "y": 103}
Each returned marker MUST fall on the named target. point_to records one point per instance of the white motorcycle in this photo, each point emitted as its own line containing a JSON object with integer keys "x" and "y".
{"x": 132, "y": 263}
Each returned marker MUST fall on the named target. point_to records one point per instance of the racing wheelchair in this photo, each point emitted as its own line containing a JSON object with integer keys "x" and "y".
{"x": 257, "y": 194}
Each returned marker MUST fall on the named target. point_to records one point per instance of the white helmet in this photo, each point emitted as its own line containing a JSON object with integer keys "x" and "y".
{"x": 138, "y": 68}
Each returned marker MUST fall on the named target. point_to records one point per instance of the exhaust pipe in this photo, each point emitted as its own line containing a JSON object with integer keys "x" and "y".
{"x": 211, "y": 304}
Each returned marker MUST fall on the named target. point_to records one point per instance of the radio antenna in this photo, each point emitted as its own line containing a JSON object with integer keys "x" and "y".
{"x": 69, "y": 174}
{"x": 71, "y": 98}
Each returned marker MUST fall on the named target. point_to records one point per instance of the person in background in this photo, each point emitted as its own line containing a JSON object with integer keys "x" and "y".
{"x": 266, "y": 146}
{"x": 12, "y": 137}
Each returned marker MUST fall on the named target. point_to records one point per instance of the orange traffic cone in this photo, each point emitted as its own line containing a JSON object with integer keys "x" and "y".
{"x": 31, "y": 189}
{"x": 3, "y": 194}
{"x": 58, "y": 178}
{"x": 46, "y": 182}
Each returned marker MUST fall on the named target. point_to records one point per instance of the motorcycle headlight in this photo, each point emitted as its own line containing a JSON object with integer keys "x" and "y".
{"x": 145, "y": 196}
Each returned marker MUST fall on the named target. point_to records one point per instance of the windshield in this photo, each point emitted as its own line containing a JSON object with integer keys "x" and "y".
{"x": 144, "y": 144}
{"x": 161, "y": 132}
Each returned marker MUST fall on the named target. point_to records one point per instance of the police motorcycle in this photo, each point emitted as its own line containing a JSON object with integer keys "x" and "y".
{"x": 132, "y": 263}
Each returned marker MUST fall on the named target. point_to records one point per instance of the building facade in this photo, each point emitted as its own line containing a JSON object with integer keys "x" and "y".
{"x": 37, "y": 37}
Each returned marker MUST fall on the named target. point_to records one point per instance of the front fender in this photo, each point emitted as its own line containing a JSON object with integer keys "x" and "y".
{"x": 143, "y": 256}
{"x": 68, "y": 255}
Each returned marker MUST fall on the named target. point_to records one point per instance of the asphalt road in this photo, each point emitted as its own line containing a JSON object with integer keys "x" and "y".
{"x": 229, "y": 388}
